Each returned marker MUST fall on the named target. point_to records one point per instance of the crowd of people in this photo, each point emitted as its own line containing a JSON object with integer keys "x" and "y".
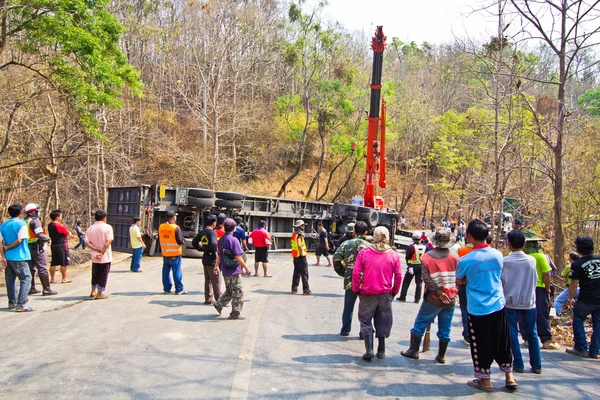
{"x": 500, "y": 297}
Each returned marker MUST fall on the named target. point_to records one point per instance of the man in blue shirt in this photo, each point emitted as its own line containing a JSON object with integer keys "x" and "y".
{"x": 488, "y": 322}
{"x": 15, "y": 258}
{"x": 240, "y": 235}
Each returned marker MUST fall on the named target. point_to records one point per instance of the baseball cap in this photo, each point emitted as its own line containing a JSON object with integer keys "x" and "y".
{"x": 229, "y": 224}
{"x": 171, "y": 214}
{"x": 416, "y": 235}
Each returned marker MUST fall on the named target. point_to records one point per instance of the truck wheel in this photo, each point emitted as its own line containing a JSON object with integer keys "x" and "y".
{"x": 199, "y": 202}
{"x": 371, "y": 218}
{"x": 351, "y": 214}
{"x": 228, "y": 204}
{"x": 352, "y": 208}
{"x": 229, "y": 196}
{"x": 201, "y": 193}
{"x": 364, "y": 210}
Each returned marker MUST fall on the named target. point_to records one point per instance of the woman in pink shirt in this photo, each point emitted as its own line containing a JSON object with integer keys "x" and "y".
{"x": 376, "y": 279}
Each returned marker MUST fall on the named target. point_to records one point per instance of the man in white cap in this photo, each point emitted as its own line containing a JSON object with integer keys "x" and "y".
{"x": 37, "y": 240}
{"x": 299, "y": 255}
{"x": 413, "y": 260}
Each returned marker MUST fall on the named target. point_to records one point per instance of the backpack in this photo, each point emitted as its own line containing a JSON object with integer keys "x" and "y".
{"x": 229, "y": 260}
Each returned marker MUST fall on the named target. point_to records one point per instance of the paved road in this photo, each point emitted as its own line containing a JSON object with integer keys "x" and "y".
{"x": 142, "y": 344}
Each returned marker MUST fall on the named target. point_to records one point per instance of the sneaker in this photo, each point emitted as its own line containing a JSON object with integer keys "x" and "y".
{"x": 182, "y": 292}
{"x": 165, "y": 292}
{"x": 294, "y": 291}
{"x": 550, "y": 345}
{"x": 344, "y": 334}
{"x": 34, "y": 291}
{"x": 307, "y": 293}
{"x": 519, "y": 370}
{"x": 49, "y": 292}
{"x": 595, "y": 357}
{"x": 208, "y": 302}
{"x": 576, "y": 352}
{"x": 239, "y": 317}
{"x": 12, "y": 306}
{"x": 401, "y": 299}
{"x": 465, "y": 342}
{"x": 537, "y": 371}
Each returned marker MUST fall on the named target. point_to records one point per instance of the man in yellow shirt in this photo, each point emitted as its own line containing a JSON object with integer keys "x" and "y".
{"x": 137, "y": 245}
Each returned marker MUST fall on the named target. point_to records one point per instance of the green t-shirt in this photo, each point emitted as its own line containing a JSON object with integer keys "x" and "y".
{"x": 565, "y": 273}
{"x": 542, "y": 266}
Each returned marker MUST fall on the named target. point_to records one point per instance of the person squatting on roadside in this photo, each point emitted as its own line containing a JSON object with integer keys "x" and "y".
{"x": 562, "y": 298}
{"x": 376, "y": 280}
{"x": 344, "y": 260}
{"x": 37, "y": 240}
{"x": 298, "y": 245}
{"x": 231, "y": 263}
{"x": 585, "y": 272}
{"x": 15, "y": 260}
{"x": 261, "y": 240}
{"x": 206, "y": 242}
{"x": 99, "y": 238}
{"x": 137, "y": 245}
{"x": 413, "y": 259}
{"x": 439, "y": 275}
{"x": 519, "y": 280}
{"x": 488, "y": 323}
{"x": 59, "y": 234}
{"x": 171, "y": 239}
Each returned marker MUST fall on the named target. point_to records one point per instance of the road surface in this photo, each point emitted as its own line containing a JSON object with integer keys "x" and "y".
{"x": 142, "y": 344}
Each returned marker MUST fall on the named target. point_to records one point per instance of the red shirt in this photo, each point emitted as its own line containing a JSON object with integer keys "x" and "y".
{"x": 260, "y": 237}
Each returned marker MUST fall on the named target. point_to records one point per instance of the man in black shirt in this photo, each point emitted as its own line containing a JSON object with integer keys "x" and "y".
{"x": 323, "y": 247}
{"x": 206, "y": 242}
{"x": 585, "y": 272}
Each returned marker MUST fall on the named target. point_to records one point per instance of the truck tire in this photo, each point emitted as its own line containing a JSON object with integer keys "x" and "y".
{"x": 228, "y": 204}
{"x": 200, "y": 202}
{"x": 229, "y": 196}
{"x": 351, "y": 214}
{"x": 201, "y": 193}
{"x": 364, "y": 210}
{"x": 371, "y": 217}
{"x": 352, "y": 208}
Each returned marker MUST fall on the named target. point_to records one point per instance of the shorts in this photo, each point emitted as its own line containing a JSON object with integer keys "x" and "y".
{"x": 60, "y": 256}
{"x": 261, "y": 254}
{"x": 321, "y": 251}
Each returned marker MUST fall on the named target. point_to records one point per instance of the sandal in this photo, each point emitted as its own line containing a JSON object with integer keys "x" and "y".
{"x": 268, "y": 276}
{"x": 25, "y": 309}
{"x": 103, "y": 297}
{"x": 67, "y": 281}
{"x": 476, "y": 384}
{"x": 512, "y": 385}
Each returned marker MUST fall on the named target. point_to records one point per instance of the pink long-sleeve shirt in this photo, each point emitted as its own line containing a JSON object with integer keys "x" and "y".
{"x": 381, "y": 272}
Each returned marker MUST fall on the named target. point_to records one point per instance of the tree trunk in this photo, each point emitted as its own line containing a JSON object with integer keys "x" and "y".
{"x": 331, "y": 173}
{"x": 320, "y": 166}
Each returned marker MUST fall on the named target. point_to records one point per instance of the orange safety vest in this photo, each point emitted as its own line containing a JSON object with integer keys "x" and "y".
{"x": 416, "y": 257}
{"x": 168, "y": 244}
{"x": 295, "y": 251}
{"x": 463, "y": 251}
{"x": 33, "y": 237}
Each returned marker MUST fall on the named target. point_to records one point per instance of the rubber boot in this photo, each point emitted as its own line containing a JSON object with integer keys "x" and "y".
{"x": 46, "y": 285}
{"x": 33, "y": 290}
{"x": 369, "y": 347}
{"x": 441, "y": 357}
{"x": 381, "y": 348}
{"x": 413, "y": 351}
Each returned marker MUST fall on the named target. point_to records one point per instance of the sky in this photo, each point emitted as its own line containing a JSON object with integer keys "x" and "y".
{"x": 433, "y": 21}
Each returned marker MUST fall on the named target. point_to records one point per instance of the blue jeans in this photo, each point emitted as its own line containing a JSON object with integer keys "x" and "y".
{"x": 464, "y": 314}
{"x": 81, "y": 243}
{"x": 14, "y": 270}
{"x": 561, "y": 298}
{"x": 172, "y": 263}
{"x": 427, "y": 314}
{"x": 136, "y": 259}
{"x": 529, "y": 327}
{"x": 349, "y": 302}
{"x": 580, "y": 313}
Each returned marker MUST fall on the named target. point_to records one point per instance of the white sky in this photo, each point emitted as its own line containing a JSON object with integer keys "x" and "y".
{"x": 433, "y": 21}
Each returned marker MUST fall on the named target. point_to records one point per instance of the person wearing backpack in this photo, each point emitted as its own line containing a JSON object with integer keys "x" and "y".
{"x": 206, "y": 242}
{"x": 230, "y": 262}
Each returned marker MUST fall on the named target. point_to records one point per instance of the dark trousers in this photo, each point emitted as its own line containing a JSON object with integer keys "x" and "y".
{"x": 81, "y": 243}
{"x": 408, "y": 279}
{"x": 38, "y": 261}
{"x": 212, "y": 287}
{"x": 464, "y": 314}
{"x": 349, "y": 302}
{"x": 542, "y": 305}
{"x": 490, "y": 341}
{"x": 300, "y": 271}
{"x": 375, "y": 308}
{"x": 100, "y": 275}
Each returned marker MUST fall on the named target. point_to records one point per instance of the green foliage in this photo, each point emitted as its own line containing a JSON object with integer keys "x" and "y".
{"x": 77, "y": 46}
{"x": 590, "y": 102}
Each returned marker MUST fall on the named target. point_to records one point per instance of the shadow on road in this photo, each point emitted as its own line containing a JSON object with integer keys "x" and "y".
{"x": 328, "y": 359}
{"x": 176, "y": 303}
{"x": 322, "y": 337}
{"x": 137, "y": 294}
{"x": 193, "y": 317}
{"x": 424, "y": 390}
{"x": 62, "y": 298}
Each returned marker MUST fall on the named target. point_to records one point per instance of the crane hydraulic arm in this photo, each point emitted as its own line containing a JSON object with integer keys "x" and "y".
{"x": 375, "y": 174}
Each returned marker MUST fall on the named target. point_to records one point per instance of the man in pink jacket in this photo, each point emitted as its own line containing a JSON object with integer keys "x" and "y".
{"x": 376, "y": 279}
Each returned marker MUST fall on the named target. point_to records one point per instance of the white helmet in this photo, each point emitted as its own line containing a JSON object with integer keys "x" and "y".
{"x": 416, "y": 235}
{"x": 31, "y": 207}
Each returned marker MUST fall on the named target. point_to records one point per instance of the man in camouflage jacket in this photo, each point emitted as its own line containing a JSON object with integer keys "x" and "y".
{"x": 343, "y": 263}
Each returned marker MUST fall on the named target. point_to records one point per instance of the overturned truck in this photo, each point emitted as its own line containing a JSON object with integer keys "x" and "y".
{"x": 192, "y": 205}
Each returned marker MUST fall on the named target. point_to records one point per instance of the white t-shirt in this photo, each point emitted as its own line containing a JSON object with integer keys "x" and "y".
{"x": 134, "y": 234}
